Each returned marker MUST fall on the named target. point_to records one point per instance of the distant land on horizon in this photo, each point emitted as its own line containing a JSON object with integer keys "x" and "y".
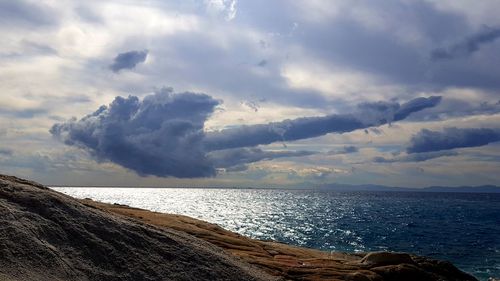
{"x": 335, "y": 187}
{"x": 370, "y": 187}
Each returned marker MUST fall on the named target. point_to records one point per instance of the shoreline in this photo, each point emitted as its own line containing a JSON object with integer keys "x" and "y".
{"x": 117, "y": 227}
{"x": 274, "y": 257}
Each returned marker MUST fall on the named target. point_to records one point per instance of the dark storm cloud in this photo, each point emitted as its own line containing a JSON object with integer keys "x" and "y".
{"x": 416, "y": 157}
{"x": 239, "y": 156}
{"x": 160, "y": 135}
{"x": 416, "y": 105}
{"x": 128, "y": 60}
{"x": 23, "y": 113}
{"x": 450, "y": 138}
{"x": 393, "y": 111}
{"x": 371, "y": 114}
{"x": 344, "y": 150}
{"x": 288, "y": 130}
{"x": 467, "y": 46}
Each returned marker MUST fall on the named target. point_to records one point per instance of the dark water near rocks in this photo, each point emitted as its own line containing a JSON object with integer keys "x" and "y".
{"x": 463, "y": 228}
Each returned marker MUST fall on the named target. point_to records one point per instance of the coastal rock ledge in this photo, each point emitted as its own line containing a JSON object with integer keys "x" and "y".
{"x": 46, "y": 235}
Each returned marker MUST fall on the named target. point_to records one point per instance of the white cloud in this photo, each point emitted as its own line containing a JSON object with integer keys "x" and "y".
{"x": 226, "y": 8}
{"x": 343, "y": 84}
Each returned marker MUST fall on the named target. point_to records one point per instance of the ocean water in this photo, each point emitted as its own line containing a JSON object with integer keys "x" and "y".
{"x": 463, "y": 228}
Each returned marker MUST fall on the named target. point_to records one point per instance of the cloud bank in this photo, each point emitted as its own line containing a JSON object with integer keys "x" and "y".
{"x": 370, "y": 114}
{"x": 163, "y": 135}
{"x": 450, "y": 138}
{"x": 128, "y": 60}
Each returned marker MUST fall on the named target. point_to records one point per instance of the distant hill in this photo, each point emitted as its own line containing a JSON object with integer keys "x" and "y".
{"x": 372, "y": 187}
{"x": 472, "y": 189}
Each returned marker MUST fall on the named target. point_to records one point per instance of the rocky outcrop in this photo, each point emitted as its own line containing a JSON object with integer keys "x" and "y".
{"x": 45, "y": 235}
{"x": 386, "y": 258}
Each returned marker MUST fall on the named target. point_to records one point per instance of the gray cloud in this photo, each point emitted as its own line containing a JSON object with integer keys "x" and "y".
{"x": 453, "y": 107}
{"x": 239, "y": 156}
{"x": 237, "y": 168}
{"x": 344, "y": 40}
{"x": 467, "y": 46}
{"x": 372, "y": 114}
{"x": 77, "y": 99}
{"x": 450, "y": 138}
{"x": 24, "y": 13}
{"x": 416, "y": 157}
{"x": 128, "y": 60}
{"x": 344, "y": 150}
{"x": 288, "y": 130}
{"x": 253, "y": 105}
{"x": 23, "y": 113}
{"x": 6, "y": 152}
{"x": 36, "y": 48}
{"x": 262, "y": 63}
{"x": 160, "y": 135}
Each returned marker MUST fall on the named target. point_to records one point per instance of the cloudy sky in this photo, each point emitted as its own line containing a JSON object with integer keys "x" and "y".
{"x": 250, "y": 93}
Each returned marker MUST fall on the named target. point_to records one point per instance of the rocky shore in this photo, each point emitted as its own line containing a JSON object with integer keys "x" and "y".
{"x": 46, "y": 235}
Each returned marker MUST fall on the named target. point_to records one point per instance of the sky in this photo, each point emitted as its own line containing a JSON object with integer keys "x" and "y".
{"x": 254, "y": 93}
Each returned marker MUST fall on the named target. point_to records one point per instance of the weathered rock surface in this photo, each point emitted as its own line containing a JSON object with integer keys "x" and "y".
{"x": 45, "y": 235}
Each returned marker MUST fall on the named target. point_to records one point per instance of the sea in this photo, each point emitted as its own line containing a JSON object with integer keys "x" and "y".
{"x": 463, "y": 228}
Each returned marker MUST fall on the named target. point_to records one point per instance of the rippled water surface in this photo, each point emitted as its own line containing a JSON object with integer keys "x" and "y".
{"x": 459, "y": 227}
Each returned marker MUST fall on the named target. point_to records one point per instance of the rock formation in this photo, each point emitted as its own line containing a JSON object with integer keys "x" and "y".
{"x": 46, "y": 235}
